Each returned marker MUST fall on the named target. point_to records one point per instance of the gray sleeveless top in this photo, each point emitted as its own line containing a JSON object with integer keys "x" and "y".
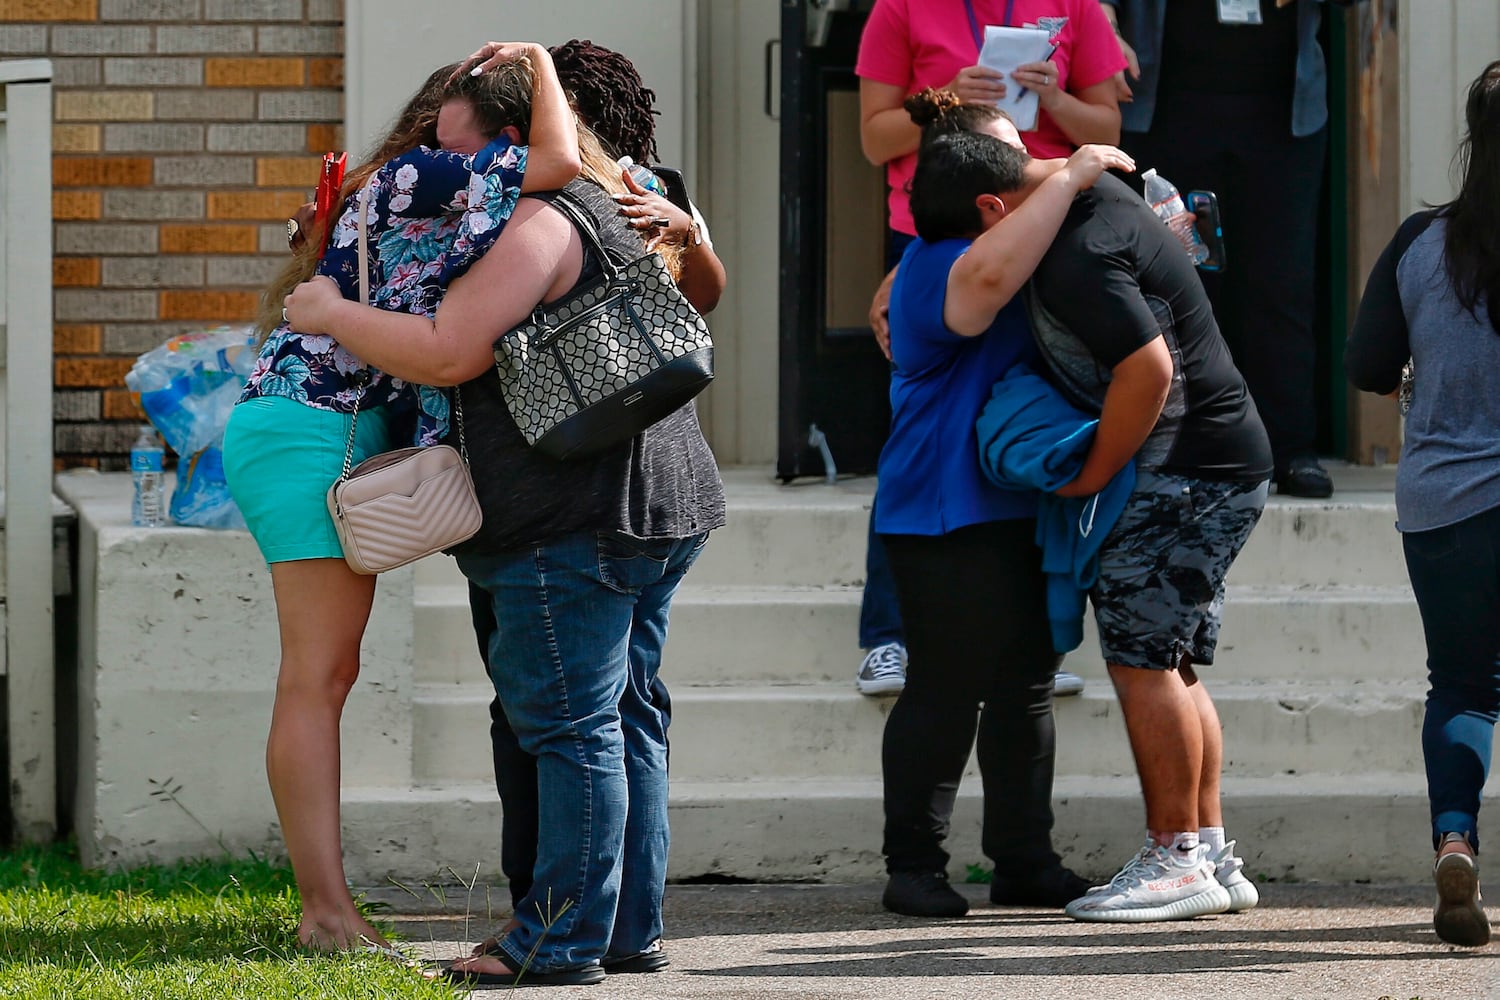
{"x": 663, "y": 483}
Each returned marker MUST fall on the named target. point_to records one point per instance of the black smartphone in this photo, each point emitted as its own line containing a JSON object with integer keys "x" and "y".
{"x": 676, "y": 187}
{"x": 1205, "y": 208}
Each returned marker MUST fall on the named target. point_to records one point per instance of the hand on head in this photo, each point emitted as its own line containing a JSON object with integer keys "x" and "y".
{"x": 492, "y": 54}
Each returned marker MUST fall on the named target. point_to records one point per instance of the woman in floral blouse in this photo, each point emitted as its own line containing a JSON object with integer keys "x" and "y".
{"x": 430, "y": 213}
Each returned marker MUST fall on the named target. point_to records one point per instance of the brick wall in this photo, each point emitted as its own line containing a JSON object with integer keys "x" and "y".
{"x": 185, "y": 132}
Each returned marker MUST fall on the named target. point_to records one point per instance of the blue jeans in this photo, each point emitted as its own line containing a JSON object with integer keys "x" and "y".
{"x": 581, "y": 622}
{"x": 1455, "y": 573}
{"x": 515, "y": 769}
{"x": 879, "y": 610}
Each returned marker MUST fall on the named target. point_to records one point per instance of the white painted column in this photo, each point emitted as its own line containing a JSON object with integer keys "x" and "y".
{"x": 26, "y": 177}
{"x": 1444, "y": 46}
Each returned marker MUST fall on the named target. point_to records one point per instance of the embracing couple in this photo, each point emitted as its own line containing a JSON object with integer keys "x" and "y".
{"x": 577, "y": 561}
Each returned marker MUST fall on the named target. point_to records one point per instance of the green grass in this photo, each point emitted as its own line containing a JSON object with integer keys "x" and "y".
{"x": 210, "y": 930}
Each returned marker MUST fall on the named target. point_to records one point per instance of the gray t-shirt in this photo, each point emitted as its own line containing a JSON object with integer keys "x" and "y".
{"x": 663, "y": 483}
{"x": 1450, "y": 460}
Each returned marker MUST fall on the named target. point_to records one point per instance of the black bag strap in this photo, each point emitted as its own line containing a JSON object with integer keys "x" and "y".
{"x": 583, "y": 220}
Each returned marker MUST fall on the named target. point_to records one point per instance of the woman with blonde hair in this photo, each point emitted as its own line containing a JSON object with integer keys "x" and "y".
{"x": 430, "y": 215}
{"x": 1433, "y": 300}
{"x": 578, "y": 561}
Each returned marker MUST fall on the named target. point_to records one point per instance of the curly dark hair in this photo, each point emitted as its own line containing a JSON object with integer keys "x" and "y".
{"x": 608, "y": 95}
{"x": 940, "y": 112}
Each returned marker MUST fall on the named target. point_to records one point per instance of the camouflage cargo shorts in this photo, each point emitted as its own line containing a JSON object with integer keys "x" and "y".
{"x": 1161, "y": 570}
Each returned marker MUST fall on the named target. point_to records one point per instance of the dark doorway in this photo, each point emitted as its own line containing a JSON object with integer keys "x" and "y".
{"x": 834, "y": 382}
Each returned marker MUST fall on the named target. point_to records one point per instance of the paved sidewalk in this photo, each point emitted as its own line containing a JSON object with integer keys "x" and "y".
{"x": 749, "y": 941}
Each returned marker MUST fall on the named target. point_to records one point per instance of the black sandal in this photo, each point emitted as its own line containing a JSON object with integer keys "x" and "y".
{"x": 653, "y": 959}
{"x": 586, "y": 975}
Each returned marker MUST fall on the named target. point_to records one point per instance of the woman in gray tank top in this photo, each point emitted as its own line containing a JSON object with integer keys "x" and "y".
{"x": 1433, "y": 300}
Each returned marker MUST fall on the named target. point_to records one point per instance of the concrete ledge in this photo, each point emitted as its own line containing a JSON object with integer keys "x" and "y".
{"x": 178, "y": 654}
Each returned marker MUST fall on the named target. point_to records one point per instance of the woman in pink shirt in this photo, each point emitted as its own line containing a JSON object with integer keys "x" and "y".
{"x": 909, "y": 45}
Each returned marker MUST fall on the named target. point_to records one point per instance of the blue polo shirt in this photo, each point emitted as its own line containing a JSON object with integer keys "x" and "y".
{"x": 930, "y": 480}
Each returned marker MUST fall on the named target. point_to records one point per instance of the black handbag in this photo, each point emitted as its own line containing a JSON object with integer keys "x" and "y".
{"x": 611, "y": 359}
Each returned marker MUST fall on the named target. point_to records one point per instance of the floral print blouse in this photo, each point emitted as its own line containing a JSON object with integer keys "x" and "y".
{"x": 429, "y": 215}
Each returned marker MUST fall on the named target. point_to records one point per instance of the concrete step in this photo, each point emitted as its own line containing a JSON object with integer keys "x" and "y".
{"x": 819, "y": 731}
{"x": 811, "y": 534}
{"x": 787, "y": 635}
{"x": 1331, "y": 828}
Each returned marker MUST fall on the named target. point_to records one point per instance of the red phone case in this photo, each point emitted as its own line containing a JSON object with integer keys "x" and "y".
{"x": 326, "y": 201}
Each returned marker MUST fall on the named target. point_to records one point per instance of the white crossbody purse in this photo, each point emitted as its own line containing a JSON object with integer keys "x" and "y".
{"x": 398, "y": 506}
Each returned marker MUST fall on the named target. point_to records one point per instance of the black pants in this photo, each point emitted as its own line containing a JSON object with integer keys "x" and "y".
{"x": 975, "y": 610}
{"x": 515, "y": 769}
{"x": 1269, "y": 186}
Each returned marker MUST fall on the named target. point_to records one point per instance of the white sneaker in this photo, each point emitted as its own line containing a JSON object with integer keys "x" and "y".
{"x": 1228, "y": 872}
{"x": 1065, "y": 682}
{"x": 1155, "y": 885}
{"x": 1132, "y": 868}
{"x": 883, "y": 670}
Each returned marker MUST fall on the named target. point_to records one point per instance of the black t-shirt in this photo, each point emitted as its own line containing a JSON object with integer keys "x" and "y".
{"x": 1114, "y": 280}
{"x": 1201, "y": 56}
{"x": 663, "y": 483}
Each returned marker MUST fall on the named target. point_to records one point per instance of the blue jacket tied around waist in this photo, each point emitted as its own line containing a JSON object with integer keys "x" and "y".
{"x": 1030, "y": 437}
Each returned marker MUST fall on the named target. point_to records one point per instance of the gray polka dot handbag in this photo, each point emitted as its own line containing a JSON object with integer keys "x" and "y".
{"x": 608, "y": 361}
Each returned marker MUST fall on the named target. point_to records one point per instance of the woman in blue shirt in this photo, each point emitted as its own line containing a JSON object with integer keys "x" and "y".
{"x": 1433, "y": 299}
{"x": 968, "y": 573}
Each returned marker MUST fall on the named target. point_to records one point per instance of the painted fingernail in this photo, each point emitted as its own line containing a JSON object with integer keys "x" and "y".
{"x": 477, "y": 71}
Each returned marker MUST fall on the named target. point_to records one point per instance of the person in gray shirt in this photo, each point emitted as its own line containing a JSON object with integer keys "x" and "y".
{"x": 1433, "y": 302}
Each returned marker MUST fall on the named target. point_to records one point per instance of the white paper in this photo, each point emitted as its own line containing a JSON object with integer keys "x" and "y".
{"x": 1004, "y": 50}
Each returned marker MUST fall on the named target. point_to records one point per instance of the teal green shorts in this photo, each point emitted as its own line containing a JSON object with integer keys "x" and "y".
{"x": 280, "y": 457}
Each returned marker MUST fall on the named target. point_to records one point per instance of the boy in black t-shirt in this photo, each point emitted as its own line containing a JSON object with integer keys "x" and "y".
{"x": 1127, "y": 332}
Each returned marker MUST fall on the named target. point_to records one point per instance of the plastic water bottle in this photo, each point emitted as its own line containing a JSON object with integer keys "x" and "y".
{"x": 643, "y": 176}
{"x": 147, "y": 458}
{"x": 1166, "y": 202}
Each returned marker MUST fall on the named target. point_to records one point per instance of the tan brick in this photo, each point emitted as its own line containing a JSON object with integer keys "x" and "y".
{"x": 323, "y": 138}
{"x": 121, "y": 404}
{"x": 75, "y": 205}
{"x": 208, "y": 305}
{"x": 325, "y": 72}
{"x": 101, "y": 171}
{"x": 75, "y": 272}
{"x": 105, "y": 106}
{"x": 76, "y": 138}
{"x": 253, "y": 72}
{"x": 254, "y": 204}
{"x": 209, "y": 239}
{"x": 77, "y": 339}
{"x": 49, "y": 10}
{"x": 97, "y": 372}
{"x": 285, "y": 172}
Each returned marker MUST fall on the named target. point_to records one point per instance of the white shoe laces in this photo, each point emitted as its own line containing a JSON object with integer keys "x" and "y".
{"x": 1147, "y": 861}
{"x": 883, "y": 662}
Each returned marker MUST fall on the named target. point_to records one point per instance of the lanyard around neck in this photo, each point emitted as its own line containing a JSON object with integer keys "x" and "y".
{"x": 1010, "y": 11}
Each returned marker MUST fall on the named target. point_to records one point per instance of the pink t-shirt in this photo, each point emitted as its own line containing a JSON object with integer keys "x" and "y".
{"x": 915, "y": 44}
